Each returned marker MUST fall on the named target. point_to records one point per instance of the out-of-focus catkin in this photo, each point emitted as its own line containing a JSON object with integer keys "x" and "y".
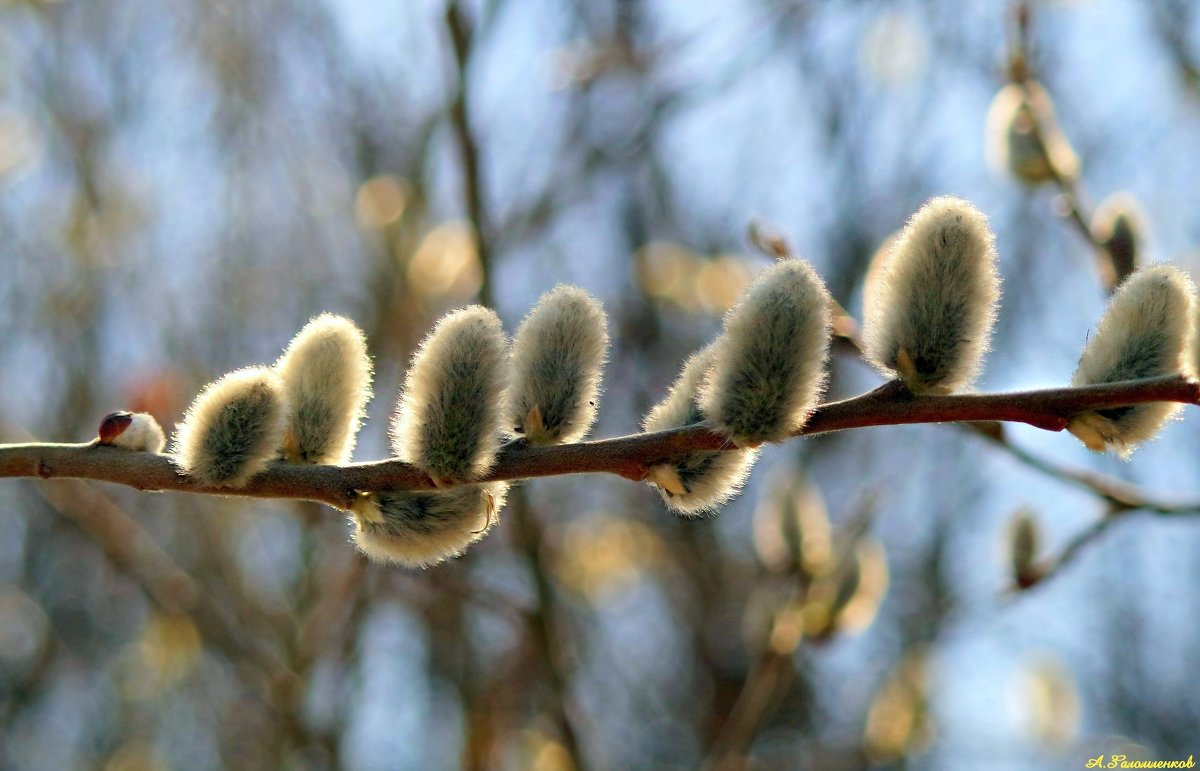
{"x": 326, "y": 374}
{"x": 417, "y": 529}
{"x": 450, "y": 415}
{"x": 768, "y": 365}
{"x": 233, "y": 428}
{"x": 1148, "y": 330}
{"x": 1017, "y": 116}
{"x": 933, "y": 305}
{"x": 700, "y": 481}
{"x": 1118, "y": 224}
{"x": 557, "y": 356}
{"x": 792, "y": 531}
{"x": 1023, "y": 549}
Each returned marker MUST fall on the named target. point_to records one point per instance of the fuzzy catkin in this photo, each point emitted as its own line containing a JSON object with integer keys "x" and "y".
{"x": 450, "y": 415}
{"x": 557, "y": 355}
{"x": 768, "y": 366}
{"x": 417, "y": 529}
{"x": 700, "y": 481}
{"x": 1148, "y": 330}
{"x": 326, "y": 374}
{"x": 930, "y": 317}
{"x": 233, "y": 428}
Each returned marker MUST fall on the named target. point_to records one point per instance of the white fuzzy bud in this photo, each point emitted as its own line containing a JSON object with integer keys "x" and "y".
{"x": 700, "y": 481}
{"x": 326, "y": 373}
{"x": 931, "y": 313}
{"x": 768, "y": 366}
{"x": 1148, "y": 330}
{"x": 234, "y": 428}
{"x": 137, "y": 431}
{"x": 450, "y": 416}
{"x": 557, "y": 355}
{"x": 417, "y": 529}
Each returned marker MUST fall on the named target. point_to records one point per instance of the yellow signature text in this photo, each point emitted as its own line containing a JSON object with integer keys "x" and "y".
{"x": 1123, "y": 761}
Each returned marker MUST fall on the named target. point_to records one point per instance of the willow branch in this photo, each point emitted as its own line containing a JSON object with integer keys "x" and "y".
{"x": 627, "y": 456}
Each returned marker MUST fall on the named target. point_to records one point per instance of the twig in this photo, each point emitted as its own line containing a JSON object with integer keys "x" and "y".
{"x": 627, "y": 456}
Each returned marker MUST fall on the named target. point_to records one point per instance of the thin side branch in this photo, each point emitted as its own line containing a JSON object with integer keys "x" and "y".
{"x": 627, "y": 456}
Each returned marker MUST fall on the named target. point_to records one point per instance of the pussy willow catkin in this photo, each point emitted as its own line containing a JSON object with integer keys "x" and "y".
{"x": 768, "y": 366}
{"x": 326, "y": 374}
{"x": 557, "y": 356}
{"x": 137, "y": 431}
{"x": 933, "y": 305}
{"x": 450, "y": 415}
{"x": 1148, "y": 330}
{"x": 700, "y": 481}
{"x": 417, "y": 529}
{"x": 233, "y": 428}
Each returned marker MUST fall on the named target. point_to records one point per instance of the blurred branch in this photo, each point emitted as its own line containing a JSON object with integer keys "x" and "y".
{"x": 1117, "y": 494}
{"x": 628, "y": 456}
{"x": 1172, "y": 20}
{"x": 134, "y": 552}
{"x": 545, "y": 623}
{"x": 792, "y": 624}
{"x": 1117, "y": 509}
{"x": 1071, "y": 191}
{"x": 468, "y": 148}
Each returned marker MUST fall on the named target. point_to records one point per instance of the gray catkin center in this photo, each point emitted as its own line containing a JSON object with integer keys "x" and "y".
{"x": 454, "y": 417}
{"x": 234, "y": 441}
{"x": 760, "y": 389}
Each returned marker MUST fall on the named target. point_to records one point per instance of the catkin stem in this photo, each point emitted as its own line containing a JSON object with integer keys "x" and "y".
{"x": 627, "y": 456}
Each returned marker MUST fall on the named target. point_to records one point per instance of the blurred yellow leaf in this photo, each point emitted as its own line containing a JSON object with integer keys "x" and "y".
{"x": 445, "y": 264}
{"x": 166, "y": 652}
{"x": 381, "y": 200}
{"x": 898, "y": 722}
{"x": 601, "y": 558}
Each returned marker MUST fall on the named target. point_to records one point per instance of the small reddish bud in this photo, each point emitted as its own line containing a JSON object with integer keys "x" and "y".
{"x": 113, "y": 425}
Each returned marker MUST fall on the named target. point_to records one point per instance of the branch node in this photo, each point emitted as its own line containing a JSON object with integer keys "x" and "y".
{"x": 1050, "y": 422}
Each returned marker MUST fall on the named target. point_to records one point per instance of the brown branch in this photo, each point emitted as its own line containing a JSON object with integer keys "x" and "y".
{"x": 627, "y": 456}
